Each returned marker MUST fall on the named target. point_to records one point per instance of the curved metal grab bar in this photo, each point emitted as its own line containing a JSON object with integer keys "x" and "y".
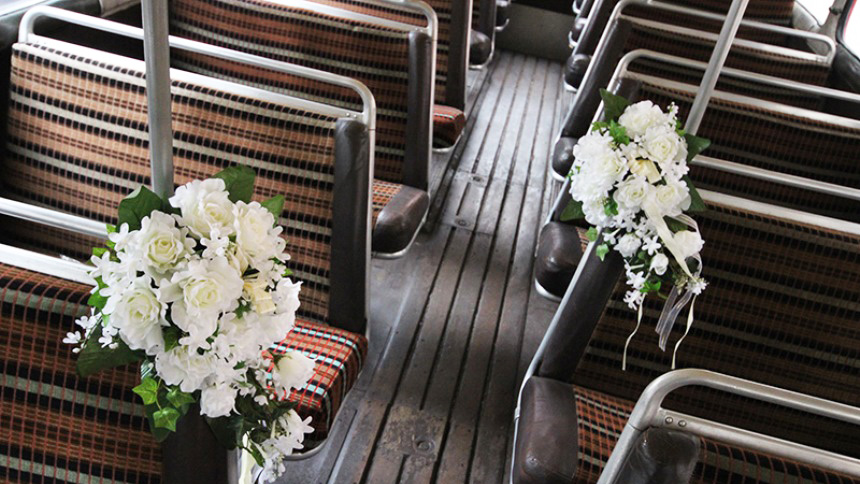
{"x": 649, "y": 412}
{"x": 52, "y": 218}
{"x": 53, "y": 266}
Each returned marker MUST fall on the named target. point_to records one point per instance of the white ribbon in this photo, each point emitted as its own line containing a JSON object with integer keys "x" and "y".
{"x": 679, "y": 297}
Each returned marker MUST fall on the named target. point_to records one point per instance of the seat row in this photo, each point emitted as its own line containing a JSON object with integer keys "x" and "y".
{"x": 781, "y": 256}
{"x": 331, "y": 102}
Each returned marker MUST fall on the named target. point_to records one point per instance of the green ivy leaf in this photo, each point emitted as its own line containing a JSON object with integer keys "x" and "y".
{"x": 158, "y": 433}
{"x": 275, "y": 205}
{"x": 602, "y": 250}
{"x": 171, "y": 338}
{"x": 240, "y": 182}
{"x": 674, "y": 225}
{"x": 166, "y": 418}
{"x": 94, "y": 357}
{"x": 148, "y": 390}
{"x": 598, "y": 125}
{"x": 96, "y": 300}
{"x": 613, "y": 104}
{"x": 695, "y": 145}
{"x": 591, "y": 234}
{"x": 618, "y": 133}
{"x": 573, "y": 211}
{"x": 696, "y": 202}
{"x": 255, "y": 453}
{"x": 610, "y": 207}
{"x": 139, "y": 204}
{"x": 178, "y": 398}
{"x": 651, "y": 285}
{"x": 228, "y": 430}
{"x": 100, "y": 251}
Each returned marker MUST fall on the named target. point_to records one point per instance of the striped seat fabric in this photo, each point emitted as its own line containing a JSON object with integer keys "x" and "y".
{"x": 601, "y": 419}
{"x": 376, "y": 56}
{"x": 764, "y": 135}
{"x": 54, "y": 425}
{"x": 448, "y": 124}
{"x": 683, "y": 40}
{"x": 339, "y": 356}
{"x": 771, "y": 11}
{"x": 781, "y": 309}
{"x": 77, "y": 143}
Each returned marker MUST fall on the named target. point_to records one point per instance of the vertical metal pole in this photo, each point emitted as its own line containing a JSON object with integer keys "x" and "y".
{"x": 156, "y": 50}
{"x": 718, "y": 58}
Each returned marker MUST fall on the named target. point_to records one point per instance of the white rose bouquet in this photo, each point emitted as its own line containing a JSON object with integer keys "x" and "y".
{"x": 629, "y": 182}
{"x": 196, "y": 289}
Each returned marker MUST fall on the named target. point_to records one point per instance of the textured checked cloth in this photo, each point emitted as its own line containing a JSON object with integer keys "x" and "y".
{"x": 781, "y": 308}
{"x": 601, "y": 420}
{"x": 772, "y": 11}
{"x": 54, "y": 425}
{"x": 765, "y": 138}
{"x": 339, "y": 356}
{"x": 448, "y": 124}
{"x": 375, "y": 56}
{"x": 78, "y": 143}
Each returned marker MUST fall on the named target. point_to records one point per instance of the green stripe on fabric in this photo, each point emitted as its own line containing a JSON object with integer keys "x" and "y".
{"x": 72, "y": 396}
{"x": 42, "y": 303}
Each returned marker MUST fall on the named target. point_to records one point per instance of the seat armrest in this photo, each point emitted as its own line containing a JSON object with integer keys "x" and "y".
{"x": 546, "y": 445}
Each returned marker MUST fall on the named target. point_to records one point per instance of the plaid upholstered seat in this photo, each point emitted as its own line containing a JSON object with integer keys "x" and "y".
{"x": 781, "y": 309}
{"x": 339, "y": 355}
{"x": 448, "y": 124}
{"x": 452, "y": 51}
{"x": 377, "y": 56}
{"x": 54, "y": 425}
{"x": 77, "y": 131}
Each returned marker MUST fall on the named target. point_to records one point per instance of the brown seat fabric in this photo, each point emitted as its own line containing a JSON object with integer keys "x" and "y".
{"x": 54, "y": 425}
{"x": 780, "y": 309}
{"x": 448, "y": 125}
{"x": 600, "y": 419}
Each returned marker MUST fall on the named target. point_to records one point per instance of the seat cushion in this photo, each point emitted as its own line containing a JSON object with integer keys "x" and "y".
{"x": 448, "y": 124}
{"x": 560, "y": 248}
{"x": 398, "y": 213}
{"x": 480, "y": 48}
{"x": 601, "y": 418}
{"x": 562, "y": 156}
{"x": 56, "y": 426}
{"x": 339, "y": 356}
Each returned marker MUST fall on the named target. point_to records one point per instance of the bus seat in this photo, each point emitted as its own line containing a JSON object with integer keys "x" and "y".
{"x": 77, "y": 143}
{"x": 780, "y": 309}
{"x": 394, "y": 64}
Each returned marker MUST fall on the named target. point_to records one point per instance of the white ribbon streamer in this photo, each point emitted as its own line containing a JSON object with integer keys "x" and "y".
{"x": 629, "y": 338}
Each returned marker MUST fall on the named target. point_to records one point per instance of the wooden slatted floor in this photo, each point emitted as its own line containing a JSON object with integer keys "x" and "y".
{"x": 456, "y": 321}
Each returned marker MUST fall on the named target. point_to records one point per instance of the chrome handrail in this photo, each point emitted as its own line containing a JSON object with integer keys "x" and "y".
{"x": 45, "y": 264}
{"x": 649, "y": 412}
{"x": 52, "y": 218}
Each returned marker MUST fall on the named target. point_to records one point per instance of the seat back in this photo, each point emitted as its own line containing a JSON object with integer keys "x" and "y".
{"x": 407, "y": 11}
{"x": 771, "y": 11}
{"x": 781, "y": 308}
{"x": 393, "y": 62}
{"x": 774, "y": 137}
{"x": 683, "y": 40}
{"x": 54, "y": 425}
{"x": 77, "y": 142}
{"x": 484, "y": 17}
{"x": 452, "y": 51}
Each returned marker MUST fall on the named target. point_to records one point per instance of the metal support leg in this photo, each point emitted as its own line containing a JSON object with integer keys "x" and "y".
{"x": 156, "y": 50}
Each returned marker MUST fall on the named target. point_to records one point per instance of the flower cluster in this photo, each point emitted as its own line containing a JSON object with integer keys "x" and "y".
{"x": 629, "y": 182}
{"x": 197, "y": 289}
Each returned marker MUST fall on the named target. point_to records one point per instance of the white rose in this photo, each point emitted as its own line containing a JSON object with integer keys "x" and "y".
{"x": 160, "y": 244}
{"x": 217, "y": 400}
{"x": 184, "y": 367}
{"x": 637, "y": 118}
{"x": 204, "y": 206}
{"x": 662, "y": 144}
{"x": 256, "y": 235}
{"x": 200, "y": 293}
{"x": 138, "y": 315}
{"x": 595, "y": 214}
{"x": 672, "y": 198}
{"x": 628, "y": 244}
{"x": 292, "y": 371}
{"x": 689, "y": 243}
{"x": 632, "y": 192}
{"x": 659, "y": 264}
